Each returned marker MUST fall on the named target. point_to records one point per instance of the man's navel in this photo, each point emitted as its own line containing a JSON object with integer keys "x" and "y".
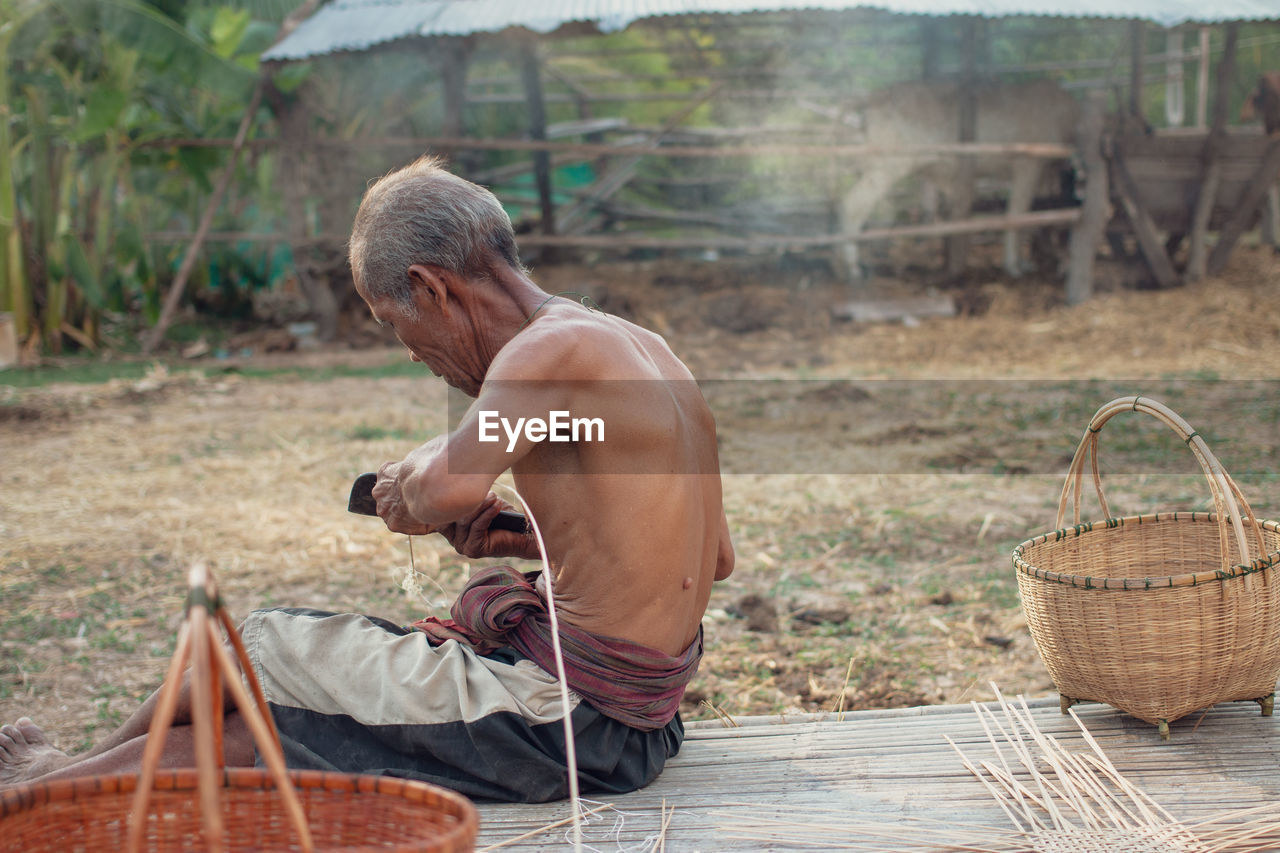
{"x": 688, "y": 582}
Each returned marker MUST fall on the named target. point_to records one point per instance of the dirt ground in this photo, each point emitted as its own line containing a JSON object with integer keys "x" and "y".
{"x": 877, "y": 478}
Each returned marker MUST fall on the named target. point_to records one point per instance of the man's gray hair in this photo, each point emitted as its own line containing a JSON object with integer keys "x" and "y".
{"x": 423, "y": 214}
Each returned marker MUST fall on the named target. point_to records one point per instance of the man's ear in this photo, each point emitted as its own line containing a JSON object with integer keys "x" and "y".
{"x": 430, "y": 287}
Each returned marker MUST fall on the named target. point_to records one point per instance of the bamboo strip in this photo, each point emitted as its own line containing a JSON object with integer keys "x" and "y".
{"x": 538, "y": 831}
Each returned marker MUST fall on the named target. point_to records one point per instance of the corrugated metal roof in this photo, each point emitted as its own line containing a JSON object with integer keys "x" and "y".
{"x": 360, "y": 24}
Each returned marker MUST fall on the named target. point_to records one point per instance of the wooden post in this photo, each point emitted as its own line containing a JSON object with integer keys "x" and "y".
{"x": 1087, "y": 233}
{"x": 1208, "y": 192}
{"x": 453, "y": 79}
{"x": 8, "y": 341}
{"x": 1143, "y": 226}
{"x": 967, "y": 104}
{"x": 1242, "y": 217}
{"x": 1197, "y": 256}
{"x": 1175, "y": 101}
{"x": 531, "y": 76}
{"x": 1137, "y": 52}
{"x": 1202, "y": 80}
{"x": 452, "y": 63}
{"x": 930, "y": 43}
{"x": 296, "y": 177}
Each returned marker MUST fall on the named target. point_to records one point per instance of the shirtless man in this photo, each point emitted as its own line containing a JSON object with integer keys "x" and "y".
{"x": 630, "y": 513}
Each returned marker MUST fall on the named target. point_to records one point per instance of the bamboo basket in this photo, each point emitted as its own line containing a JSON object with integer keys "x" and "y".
{"x": 1157, "y": 615}
{"x": 216, "y": 808}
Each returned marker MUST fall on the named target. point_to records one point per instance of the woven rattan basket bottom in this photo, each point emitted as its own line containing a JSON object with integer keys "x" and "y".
{"x": 1117, "y": 620}
{"x": 345, "y": 813}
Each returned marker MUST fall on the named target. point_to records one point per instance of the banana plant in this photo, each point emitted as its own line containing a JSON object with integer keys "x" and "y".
{"x": 14, "y": 296}
{"x": 82, "y": 84}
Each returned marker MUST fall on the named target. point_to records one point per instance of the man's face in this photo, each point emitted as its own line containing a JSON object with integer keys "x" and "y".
{"x": 428, "y": 343}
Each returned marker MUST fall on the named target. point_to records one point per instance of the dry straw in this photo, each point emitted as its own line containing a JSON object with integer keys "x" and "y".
{"x": 1158, "y": 615}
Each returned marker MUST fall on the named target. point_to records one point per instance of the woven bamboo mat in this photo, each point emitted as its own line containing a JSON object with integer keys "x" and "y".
{"x": 860, "y": 778}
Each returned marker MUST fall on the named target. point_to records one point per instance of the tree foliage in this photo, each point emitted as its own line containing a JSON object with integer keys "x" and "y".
{"x": 87, "y": 84}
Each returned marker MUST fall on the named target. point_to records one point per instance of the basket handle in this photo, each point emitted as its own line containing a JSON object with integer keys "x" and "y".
{"x": 1229, "y": 503}
{"x": 200, "y": 645}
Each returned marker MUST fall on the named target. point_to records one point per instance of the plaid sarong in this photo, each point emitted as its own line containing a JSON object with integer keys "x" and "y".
{"x": 634, "y": 684}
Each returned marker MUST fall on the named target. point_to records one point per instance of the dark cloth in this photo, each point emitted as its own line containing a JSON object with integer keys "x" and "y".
{"x": 628, "y": 682}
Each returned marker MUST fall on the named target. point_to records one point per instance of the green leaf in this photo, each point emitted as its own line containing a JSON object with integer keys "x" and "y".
{"x": 165, "y": 46}
{"x": 102, "y": 111}
{"x": 199, "y": 163}
{"x": 228, "y": 29}
{"x": 291, "y": 76}
{"x": 82, "y": 272}
{"x": 257, "y": 37}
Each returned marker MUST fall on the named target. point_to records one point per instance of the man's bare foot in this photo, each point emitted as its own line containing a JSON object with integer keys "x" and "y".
{"x": 26, "y": 754}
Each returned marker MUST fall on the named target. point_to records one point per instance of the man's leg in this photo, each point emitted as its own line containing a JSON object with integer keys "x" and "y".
{"x": 26, "y": 755}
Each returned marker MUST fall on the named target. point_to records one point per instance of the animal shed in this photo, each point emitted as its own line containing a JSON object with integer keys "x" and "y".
{"x": 768, "y": 164}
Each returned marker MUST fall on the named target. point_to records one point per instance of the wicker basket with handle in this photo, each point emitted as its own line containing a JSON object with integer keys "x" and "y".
{"x": 215, "y": 808}
{"x": 1157, "y": 615}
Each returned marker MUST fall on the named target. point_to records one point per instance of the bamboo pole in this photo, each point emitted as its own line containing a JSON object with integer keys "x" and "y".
{"x": 622, "y": 240}
{"x": 972, "y": 225}
{"x": 1137, "y": 50}
{"x": 13, "y": 287}
{"x": 957, "y": 245}
{"x": 1175, "y": 106}
{"x": 451, "y": 65}
{"x": 1045, "y": 150}
{"x": 1212, "y": 158}
{"x": 1202, "y": 80}
{"x": 1255, "y": 193}
{"x": 1143, "y": 225}
{"x": 535, "y": 102}
{"x": 1087, "y": 233}
{"x": 174, "y": 297}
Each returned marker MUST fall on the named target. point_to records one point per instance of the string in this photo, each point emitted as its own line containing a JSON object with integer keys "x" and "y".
{"x": 583, "y": 299}
{"x": 570, "y": 746}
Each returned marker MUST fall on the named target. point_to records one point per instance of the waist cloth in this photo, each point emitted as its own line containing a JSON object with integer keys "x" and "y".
{"x": 631, "y": 683}
{"x": 470, "y": 703}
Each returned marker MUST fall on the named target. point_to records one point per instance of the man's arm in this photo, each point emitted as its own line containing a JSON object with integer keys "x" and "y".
{"x": 447, "y": 480}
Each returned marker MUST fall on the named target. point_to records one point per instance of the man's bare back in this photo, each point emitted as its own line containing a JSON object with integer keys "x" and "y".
{"x": 633, "y": 523}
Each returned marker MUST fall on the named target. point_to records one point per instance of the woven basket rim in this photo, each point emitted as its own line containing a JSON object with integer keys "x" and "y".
{"x": 1264, "y": 562}
{"x": 31, "y": 796}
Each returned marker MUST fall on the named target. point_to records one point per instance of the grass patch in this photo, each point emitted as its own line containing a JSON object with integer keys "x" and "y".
{"x": 80, "y": 372}
{"x": 88, "y": 371}
{"x": 370, "y": 432}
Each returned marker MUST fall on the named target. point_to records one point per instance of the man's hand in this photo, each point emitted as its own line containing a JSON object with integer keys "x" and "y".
{"x": 471, "y": 537}
{"x": 391, "y": 505}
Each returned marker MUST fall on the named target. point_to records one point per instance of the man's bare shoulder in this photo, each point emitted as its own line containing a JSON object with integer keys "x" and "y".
{"x": 574, "y": 344}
